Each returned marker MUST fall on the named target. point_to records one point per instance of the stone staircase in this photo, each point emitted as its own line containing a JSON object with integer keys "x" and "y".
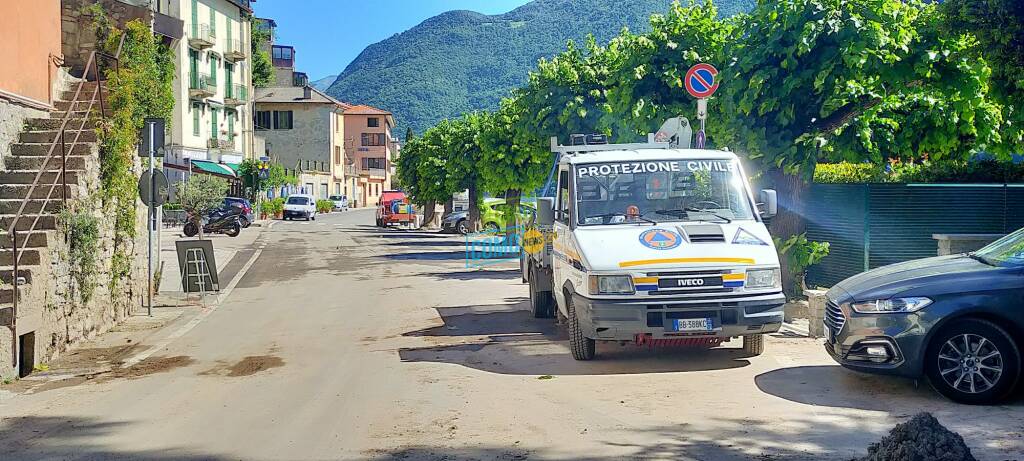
{"x": 38, "y": 227}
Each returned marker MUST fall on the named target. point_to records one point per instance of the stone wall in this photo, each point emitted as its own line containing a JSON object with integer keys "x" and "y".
{"x": 78, "y": 39}
{"x": 12, "y": 120}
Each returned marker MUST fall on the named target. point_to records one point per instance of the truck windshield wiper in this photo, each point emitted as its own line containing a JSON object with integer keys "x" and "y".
{"x": 684, "y": 213}
{"x": 626, "y": 221}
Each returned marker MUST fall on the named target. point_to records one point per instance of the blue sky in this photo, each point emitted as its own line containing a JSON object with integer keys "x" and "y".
{"x": 329, "y": 34}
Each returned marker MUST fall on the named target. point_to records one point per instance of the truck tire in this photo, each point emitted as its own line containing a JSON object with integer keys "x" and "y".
{"x": 583, "y": 348}
{"x": 753, "y": 344}
{"x": 541, "y": 302}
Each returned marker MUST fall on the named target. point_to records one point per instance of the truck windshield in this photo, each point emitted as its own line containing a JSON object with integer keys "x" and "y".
{"x": 672, "y": 190}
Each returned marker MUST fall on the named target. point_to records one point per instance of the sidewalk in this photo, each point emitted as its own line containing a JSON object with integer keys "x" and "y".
{"x": 228, "y": 252}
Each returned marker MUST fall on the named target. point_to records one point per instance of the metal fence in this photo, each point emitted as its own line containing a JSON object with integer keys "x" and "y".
{"x": 873, "y": 225}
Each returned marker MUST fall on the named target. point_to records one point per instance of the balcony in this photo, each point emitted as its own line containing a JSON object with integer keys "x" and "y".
{"x": 237, "y": 95}
{"x": 374, "y": 172}
{"x": 201, "y": 86}
{"x": 170, "y": 27}
{"x": 220, "y": 144}
{"x": 202, "y": 37}
{"x": 233, "y": 50}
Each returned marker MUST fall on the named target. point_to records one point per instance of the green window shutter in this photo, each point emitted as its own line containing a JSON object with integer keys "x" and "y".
{"x": 213, "y": 123}
{"x": 231, "y": 126}
{"x": 213, "y": 69}
{"x": 229, "y": 70}
{"x": 193, "y": 67}
{"x": 213, "y": 22}
{"x": 229, "y": 38}
{"x": 195, "y": 119}
{"x": 195, "y": 18}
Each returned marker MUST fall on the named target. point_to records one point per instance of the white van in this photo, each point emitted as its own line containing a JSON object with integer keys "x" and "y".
{"x": 300, "y": 206}
{"x": 657, "y": 246}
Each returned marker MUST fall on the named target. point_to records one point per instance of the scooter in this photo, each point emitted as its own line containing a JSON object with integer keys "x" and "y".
{"x": 220, "y": 221}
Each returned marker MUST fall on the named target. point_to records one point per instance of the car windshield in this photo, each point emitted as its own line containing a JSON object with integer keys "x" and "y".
{"x": 336, "y": 197}
{"x": 1007, "y": 251}
{"x": 673, "y": 190}
{"x": 298, "y": 201}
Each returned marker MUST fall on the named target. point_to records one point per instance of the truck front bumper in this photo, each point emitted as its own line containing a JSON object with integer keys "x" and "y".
{"x": 624, "y": 320}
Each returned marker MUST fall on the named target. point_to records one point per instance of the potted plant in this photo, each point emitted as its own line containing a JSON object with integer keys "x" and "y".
{"x": 277, "y": 207}
{"x": 266, "y": 209}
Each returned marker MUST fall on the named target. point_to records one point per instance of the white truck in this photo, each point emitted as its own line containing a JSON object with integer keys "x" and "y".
{"x": 656, "y": 245}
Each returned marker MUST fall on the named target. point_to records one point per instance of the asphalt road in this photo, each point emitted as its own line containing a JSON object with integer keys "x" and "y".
{"x": 343, "y": 341}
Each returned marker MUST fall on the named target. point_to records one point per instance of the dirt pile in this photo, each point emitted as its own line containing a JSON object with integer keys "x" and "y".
{"x": 922, "y": 438}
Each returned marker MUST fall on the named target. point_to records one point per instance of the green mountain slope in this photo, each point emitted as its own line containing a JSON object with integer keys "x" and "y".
{"x": 324, "y": 83}
{"x": 461, "y": 61}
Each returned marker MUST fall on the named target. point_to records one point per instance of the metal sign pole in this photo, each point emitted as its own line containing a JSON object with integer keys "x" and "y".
{"x": 150, "y": 223}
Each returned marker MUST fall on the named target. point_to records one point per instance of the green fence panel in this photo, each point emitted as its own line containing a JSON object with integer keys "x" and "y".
{"x": 874, "y": 225}
{"x": 836, "y": 213}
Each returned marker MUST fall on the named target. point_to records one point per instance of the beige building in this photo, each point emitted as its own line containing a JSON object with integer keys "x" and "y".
{"x": 213, "y": 87}
{"x": 373, "y": 151}
{"x": 304, "y": 131}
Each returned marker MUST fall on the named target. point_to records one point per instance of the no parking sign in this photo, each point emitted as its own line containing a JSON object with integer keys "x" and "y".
{"x": 701, "y": 80}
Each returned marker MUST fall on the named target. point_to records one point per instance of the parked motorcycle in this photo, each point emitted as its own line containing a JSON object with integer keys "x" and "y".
{"x": 224, "y": 220}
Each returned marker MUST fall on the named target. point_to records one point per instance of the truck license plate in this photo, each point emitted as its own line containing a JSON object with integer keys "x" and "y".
{"x": 705, "y": 324}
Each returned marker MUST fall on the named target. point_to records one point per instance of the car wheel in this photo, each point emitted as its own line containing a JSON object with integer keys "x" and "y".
{"x": 541, "y": 302}
{"x": 753, "y": 344}
{"x": 973, "y": 361}
{"x": 583, "y": 348}
{"x": 492, "y": 227}
{"x": 243, "y": 221}
{"x": 462, "y": 227}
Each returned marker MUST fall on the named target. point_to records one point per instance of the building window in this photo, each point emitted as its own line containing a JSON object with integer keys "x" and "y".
{"x": 213, "y": 69}
{"x": 213, "y": 123}
{"x": 337, "y": 123}
{"x": 337, "y": 188}
{"x": 373, "y": 163}
{"x": 372, "y": 139}
{"x": 337, "y": 155}
{"x": 263, "y": 120}
{"x": 323, "y": 190}
{"x": 196, "y": 109}
{"x": 373, "y": 122}
{"x": 282, "y": 119}
{"x": 230, "y": 115}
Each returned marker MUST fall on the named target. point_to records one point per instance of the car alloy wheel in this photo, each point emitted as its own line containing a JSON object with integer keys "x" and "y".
{"x": 970, "y": 363}
{"x": 462, "y": 227}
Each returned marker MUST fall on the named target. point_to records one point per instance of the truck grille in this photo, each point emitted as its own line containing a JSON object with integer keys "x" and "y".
{"x": 834, "y": 318}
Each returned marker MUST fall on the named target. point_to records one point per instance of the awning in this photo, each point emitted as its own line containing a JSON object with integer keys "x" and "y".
{"x": 215, "y": 168}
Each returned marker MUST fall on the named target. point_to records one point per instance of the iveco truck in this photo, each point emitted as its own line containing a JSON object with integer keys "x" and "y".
{"x": 653, "y": 244}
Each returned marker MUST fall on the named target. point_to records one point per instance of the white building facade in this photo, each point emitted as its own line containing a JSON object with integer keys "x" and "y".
{"x": 213, "y": 86}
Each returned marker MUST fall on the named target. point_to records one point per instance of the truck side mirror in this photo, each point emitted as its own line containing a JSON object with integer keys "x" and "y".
{"x": 769, "y": 203}
{"x": 545, "y": 211}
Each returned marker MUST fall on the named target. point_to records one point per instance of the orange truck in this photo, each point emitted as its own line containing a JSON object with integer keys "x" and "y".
{"x": 394, "y": 208}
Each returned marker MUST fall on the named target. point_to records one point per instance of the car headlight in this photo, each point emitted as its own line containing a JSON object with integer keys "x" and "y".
{"x": 895, "y": 305}
{"x": 611, "y": 285}
{"x": 764, "y": 278}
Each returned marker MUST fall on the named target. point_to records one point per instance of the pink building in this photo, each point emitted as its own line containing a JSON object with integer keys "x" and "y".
{"x": 371, "y": 152}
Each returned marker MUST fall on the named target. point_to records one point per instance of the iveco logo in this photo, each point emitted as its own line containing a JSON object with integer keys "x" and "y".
{"x": 691, "y": 282}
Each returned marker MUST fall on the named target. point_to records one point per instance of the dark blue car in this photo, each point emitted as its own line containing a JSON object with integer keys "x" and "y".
{"x": 957, "y": 320}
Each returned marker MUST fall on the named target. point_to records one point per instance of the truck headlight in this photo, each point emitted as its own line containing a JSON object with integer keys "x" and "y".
{"x": 611, "y": 285}
{"x": 895, "y": 305}
{"x": 764, "y": 278}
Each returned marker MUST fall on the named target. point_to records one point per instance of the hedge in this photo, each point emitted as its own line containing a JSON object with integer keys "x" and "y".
{"x": 977, "y": 172}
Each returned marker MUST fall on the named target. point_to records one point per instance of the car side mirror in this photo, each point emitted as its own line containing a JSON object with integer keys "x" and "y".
{"x": 545, "y": 211}
{"x": 769, "y": 203}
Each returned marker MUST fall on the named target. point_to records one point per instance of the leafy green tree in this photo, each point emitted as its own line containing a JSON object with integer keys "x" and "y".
{"x": 201, "y": 194}
{"x": 800, "y": 73}
{"x": 409, "y": 134}
{"x": 262, "y": 68}
{"x": 998, "y": 27}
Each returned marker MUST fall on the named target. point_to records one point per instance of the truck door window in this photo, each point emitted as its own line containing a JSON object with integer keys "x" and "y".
{"x": 563, "y": 197}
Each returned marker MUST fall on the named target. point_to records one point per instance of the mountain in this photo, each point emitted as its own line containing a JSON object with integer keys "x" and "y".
{"x": 324, "y": 83}
{"x": 461, "y": 61}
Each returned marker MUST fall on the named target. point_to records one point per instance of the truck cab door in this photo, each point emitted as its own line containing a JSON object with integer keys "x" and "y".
{"x": 562, "y": 228}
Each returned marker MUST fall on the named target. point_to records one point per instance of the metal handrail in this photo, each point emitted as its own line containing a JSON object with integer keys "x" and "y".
{"x": 16, "y": 249}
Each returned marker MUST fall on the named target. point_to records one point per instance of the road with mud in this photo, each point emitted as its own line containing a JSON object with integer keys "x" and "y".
{"x": 343, "y": 341}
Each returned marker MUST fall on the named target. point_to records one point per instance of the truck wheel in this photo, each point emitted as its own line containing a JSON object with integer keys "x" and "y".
{"x": 542, "y": 302}
{"x": 753, "y": 344}
{"x": 973, "y": 361}
{"x": 583, "y": 348}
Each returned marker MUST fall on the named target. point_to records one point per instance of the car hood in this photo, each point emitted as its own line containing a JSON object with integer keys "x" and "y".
{"x": 923, "y": 277}
{"x": 619, "y": 247}
{"x": 455, "y": 216}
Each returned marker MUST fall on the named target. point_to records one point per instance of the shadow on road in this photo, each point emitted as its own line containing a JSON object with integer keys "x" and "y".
{"x": 512, "y": 341}
{"x": 835, "y": 386}
{"x": 426, "y": 243}
{"x": 71, "y": 437}
{"x": 482, "y": 274}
